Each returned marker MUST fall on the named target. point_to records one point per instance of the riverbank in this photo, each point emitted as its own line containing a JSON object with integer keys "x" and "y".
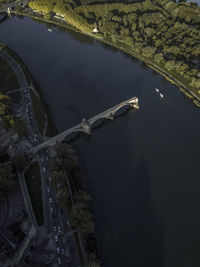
{"x": 37, "y": 104}
{"x": 171, "y": 76}
{"x": 43, "y": 116}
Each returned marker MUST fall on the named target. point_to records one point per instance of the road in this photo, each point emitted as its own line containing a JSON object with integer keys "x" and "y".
{"x": 52, "y": 219}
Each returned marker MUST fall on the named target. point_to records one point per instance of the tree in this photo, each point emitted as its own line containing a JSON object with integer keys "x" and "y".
{"x": 82, "y": 197}
{"x": 63, "y": 198}
{"x": 148, "y": 51}
{"x": 158, "y": 57}
{"x": 195, "y": 82}
{"x": 170, "y": 65}
{"x": 81, "y": 219}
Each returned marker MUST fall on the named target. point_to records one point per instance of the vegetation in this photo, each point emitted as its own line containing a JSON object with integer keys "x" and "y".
{"x": 6, "y": 179}
{"x": 76, "y": 200}
{"x": 72, "y": 195}
{"x": 8, "y": 80}
{"x": 39, "y": 112}
{"x": 9, "y": 120}
{"x": 33, "y": 180}
{"x": 161, "y": 32}
{"x": 5, "y": 103}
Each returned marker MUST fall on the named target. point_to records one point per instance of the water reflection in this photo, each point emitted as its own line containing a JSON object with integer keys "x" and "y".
{"x": 147, "y": 229}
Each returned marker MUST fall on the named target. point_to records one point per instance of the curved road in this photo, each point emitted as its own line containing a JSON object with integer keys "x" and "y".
{"x": 52, "y": 218}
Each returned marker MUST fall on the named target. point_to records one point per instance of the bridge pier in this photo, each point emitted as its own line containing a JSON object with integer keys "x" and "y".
{"x": 85, "y": 126}
{"x": 134, "y": 105}
{"x": 110, "y": 116}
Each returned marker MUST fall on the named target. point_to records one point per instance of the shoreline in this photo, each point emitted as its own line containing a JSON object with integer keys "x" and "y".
{"x": 184, "y": 88}
{"x": 38, "y": 92}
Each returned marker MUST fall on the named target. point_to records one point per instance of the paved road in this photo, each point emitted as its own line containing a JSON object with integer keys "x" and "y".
{"x": 52, "y": 218}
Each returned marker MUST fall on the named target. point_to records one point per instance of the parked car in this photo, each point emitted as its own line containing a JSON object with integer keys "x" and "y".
{"x": 59, "y": 261}
{"x": 58, "y": 250}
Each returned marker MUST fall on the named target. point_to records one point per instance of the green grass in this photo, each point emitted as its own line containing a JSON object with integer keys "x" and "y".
{"x": 38, "y": 112}
{"x": 8, "y": 80}
{"x": 33, "y": 181}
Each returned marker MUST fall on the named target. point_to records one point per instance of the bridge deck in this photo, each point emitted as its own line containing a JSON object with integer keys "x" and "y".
{"x": 60, "y": 137}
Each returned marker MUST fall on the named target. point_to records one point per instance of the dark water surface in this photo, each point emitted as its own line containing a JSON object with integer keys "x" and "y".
{"x": 143, "y": 168}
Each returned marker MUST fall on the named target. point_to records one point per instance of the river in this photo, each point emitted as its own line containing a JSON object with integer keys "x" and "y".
{"x": 142, "y": 169}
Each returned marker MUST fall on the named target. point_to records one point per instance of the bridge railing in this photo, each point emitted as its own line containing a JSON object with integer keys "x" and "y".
{"x": 85, "y": 125}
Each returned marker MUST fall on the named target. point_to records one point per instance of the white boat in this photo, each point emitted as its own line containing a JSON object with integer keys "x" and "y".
{"x": 157, "y": 90}
{"x": 161, "y": 95}
{"x": 50, "y": 30}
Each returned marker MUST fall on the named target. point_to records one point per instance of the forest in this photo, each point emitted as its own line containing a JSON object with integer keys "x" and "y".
{"x": 162, "y": 32}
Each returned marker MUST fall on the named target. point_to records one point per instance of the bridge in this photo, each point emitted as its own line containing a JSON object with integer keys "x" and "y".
{"x": 86, "y": 125}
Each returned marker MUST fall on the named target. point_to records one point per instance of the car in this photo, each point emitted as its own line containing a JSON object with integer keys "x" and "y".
{"x": 56, "y": 238}
{"x": 68, "y": 223}
{"x": 49, "y": 179}
{"x": 50, "y": 200}
{"x": 58, "y": 250}
{"x": 59, "y": 230}
{"x": 51, "y": 209}
{"x": 62, "y": 251}
{"x": 59, "y": 261}
{"x": 44, "y": 169}
{"x": 48, "y": 190}
{"x": 54, "y": 228}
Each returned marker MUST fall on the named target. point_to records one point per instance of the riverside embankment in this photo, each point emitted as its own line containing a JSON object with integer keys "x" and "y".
{"x": 173, "y": 77}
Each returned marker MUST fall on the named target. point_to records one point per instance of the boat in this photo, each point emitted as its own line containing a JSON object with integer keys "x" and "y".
{"x": 50, "y": 30}
{"x": 161, "y": 95}
{"x": 157, "y": 90}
